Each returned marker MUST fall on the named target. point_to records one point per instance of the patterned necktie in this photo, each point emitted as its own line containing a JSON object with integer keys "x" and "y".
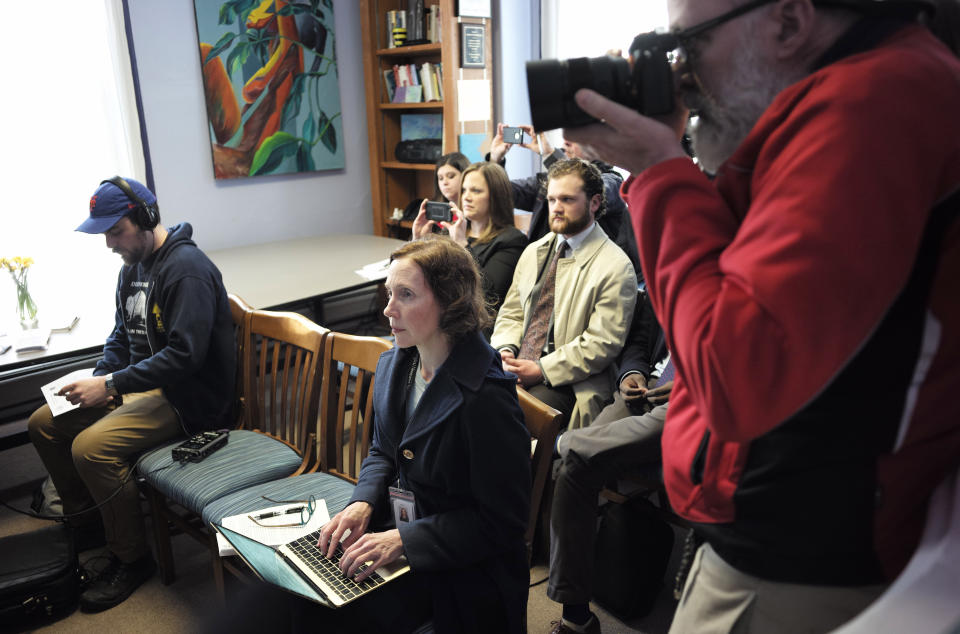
{"x": 536, "y": 336}
{"x": 666, "y": 374}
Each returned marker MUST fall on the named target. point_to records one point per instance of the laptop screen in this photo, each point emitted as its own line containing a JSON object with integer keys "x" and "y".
{"x": 270, "y": 566}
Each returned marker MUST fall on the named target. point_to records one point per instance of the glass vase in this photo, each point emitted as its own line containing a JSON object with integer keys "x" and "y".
{"x": 26, "y": 307}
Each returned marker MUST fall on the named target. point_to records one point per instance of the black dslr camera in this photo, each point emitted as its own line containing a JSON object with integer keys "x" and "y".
{"x": 647, "y": 88}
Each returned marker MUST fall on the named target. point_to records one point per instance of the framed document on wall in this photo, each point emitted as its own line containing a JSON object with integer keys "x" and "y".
{"x": 473, "y": 50}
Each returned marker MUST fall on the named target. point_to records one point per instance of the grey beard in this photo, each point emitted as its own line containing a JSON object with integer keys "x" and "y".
{"x": 726, "y": 115}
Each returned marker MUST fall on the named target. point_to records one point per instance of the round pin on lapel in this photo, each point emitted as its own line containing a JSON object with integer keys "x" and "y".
{"x": 408, "y": 454}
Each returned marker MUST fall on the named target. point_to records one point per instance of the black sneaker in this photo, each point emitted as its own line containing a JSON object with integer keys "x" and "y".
{"x": 117, "y": 582}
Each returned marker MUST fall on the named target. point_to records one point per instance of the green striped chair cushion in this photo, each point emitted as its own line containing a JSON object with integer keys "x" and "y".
{"x": 247, "y": 459}
{"x": 323, "y": 486}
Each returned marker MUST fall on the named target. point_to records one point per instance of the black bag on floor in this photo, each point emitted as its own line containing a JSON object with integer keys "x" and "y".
{"x": 632, "y": 553}
{"x": 39, "y": 574}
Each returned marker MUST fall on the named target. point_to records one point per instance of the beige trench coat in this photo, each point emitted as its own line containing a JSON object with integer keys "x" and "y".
{"x": 596, "y": 290}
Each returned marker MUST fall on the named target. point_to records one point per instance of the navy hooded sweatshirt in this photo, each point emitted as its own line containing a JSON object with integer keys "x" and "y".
{"x": 174, "y": 331}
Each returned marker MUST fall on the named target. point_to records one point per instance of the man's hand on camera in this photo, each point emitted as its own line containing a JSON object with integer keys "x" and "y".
{"x": 626, "y": 138}
{"x": 498, "y": 149}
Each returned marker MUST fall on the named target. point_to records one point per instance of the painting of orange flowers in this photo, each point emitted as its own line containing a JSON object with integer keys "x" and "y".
{"x": 270, "y": 82}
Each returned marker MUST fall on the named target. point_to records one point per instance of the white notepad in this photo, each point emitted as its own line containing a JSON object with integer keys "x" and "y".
{"x": 270, "y": 536}
{"x": 60, "y": 404}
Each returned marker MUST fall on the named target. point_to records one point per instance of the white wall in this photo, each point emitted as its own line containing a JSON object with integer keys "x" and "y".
{"x": 243, "y": 211}
{"x": 516, "y": 39}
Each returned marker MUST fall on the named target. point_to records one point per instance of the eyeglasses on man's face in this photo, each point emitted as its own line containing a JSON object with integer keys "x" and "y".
{"x": 682, "y": 56}
{"x": 304, "y": 511}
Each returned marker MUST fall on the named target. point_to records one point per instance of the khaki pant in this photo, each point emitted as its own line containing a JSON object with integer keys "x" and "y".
{"x": 90, "y": 451}
{"x": 718, "y": 598}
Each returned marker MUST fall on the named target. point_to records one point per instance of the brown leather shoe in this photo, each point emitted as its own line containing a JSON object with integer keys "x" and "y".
{"x": 591, "y": 627}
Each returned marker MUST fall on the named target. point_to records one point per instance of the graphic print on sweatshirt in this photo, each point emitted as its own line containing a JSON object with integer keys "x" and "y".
{"x": 134, "y": 298}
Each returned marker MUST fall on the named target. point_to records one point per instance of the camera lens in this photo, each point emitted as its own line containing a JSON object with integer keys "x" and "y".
{"x": 647, "y": 88}
{"x": 552, "y": 84}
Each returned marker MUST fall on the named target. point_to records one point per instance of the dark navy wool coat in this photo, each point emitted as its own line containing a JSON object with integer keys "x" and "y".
{"x": 466, "y": 457}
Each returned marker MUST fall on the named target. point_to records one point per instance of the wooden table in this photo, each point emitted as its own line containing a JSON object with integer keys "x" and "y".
{"x": 281, "y": 274}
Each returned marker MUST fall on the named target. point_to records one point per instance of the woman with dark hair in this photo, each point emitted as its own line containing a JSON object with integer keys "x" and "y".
{"x": 449, "y": 172}
{"x": 485, "y": 227}
{"x": 450, "y": 433}
{"x": 446, "y": 185}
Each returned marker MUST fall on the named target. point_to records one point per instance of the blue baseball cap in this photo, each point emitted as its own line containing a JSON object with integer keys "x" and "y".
{"x": 109, "y": 204}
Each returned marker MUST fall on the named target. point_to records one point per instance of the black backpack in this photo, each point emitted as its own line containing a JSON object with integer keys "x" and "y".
{"x": 632, "y": 552}
{"x": 39, "y": 575}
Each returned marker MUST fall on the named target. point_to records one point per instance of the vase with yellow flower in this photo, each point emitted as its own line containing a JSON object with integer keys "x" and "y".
{"x": 26, "y": 306}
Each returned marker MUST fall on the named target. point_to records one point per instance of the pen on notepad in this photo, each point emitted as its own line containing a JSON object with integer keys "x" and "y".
{"x": 263, "y": 516}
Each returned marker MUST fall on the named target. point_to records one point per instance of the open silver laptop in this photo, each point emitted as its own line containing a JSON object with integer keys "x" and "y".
{"x": 299, "y": 567}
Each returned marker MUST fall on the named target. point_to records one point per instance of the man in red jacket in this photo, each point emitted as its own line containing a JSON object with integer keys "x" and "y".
{"x": 809, "y": 296}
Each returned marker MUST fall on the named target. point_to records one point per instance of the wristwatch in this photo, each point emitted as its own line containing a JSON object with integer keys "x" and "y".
{"x": 111, "y": 388}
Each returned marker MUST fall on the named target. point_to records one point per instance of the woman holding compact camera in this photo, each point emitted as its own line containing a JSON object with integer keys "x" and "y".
{"x": 446, "y": 186}
{"x": 449, "y": 435}
{"x": 484, "y": 226}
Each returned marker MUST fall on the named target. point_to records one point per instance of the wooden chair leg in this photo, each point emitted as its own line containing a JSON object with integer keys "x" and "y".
{"x": 161, "y": 536}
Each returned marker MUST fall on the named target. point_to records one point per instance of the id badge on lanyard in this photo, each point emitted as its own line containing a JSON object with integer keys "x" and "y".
{"x": 404, "y": 505}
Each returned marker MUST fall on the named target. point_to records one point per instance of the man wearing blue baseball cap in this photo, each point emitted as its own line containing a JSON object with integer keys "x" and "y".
{"x": 167, "y": 370}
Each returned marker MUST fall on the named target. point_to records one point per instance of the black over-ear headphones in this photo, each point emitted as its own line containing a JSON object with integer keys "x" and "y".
{"x": 145, "y": 215}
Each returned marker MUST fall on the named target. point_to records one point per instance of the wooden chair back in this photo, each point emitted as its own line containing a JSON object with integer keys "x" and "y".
{"x": 282, "y": 364}
{"x": 240, "y": 311}
{"x": 543, "y": 423}
{"x": 347, "y": 404}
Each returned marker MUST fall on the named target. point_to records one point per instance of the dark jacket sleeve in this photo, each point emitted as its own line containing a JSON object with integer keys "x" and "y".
{"x": 188, "y": 309}
{"x": 116, "y": 350}
{"x": 497, "y": 448}
{"x": 641, "y": 339}
{"x": 525, "y": 192}
{"x": 616, "y": 223}
{"x": 499, "y": 264}
{"x": 377, "y": 472}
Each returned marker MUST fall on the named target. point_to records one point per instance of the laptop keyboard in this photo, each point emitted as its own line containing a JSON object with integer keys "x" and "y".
{"x": 328, "y": 569}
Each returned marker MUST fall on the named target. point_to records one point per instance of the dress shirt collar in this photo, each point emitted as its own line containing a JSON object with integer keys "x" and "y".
{"x": 575, "y": 240}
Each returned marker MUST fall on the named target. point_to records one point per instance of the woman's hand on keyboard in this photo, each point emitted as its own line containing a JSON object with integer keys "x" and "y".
{"x": 354, "y": 518}
{"x": 378, "y": 548}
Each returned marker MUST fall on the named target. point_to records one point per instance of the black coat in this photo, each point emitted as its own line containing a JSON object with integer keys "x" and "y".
{"x": 497, "y": 260}
{"x": 466, "y": 457}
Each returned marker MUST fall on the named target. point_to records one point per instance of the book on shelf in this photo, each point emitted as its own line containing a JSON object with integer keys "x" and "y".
{"x": 428, "y": 78}
{"x": 391, "y": 22}
{"x": 414, "y": 94}
{"x": 433, "y": 23}
{"x": 389, "y": 83}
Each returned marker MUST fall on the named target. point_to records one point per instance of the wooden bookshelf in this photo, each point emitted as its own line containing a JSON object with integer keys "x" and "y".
{"x": 394, "y": 184}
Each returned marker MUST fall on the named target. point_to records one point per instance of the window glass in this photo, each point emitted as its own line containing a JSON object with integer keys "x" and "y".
{"x": 69, "y": 122}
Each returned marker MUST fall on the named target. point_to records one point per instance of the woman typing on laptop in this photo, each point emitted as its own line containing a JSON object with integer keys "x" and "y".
{"x": 448, "y": 472}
